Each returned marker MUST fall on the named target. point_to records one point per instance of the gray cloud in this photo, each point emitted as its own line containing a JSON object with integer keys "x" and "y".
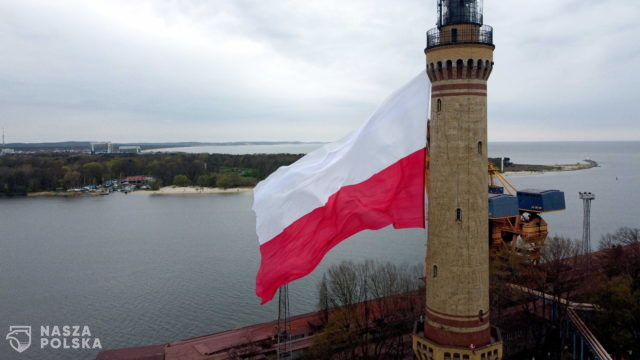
{"x": 171, "y": 70}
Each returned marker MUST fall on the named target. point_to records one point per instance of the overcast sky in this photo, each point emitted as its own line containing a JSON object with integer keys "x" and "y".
{"x": 312, "y": 70}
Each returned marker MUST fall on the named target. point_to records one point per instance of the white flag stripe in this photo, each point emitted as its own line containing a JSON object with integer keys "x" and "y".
{"x": 396, "y": 130}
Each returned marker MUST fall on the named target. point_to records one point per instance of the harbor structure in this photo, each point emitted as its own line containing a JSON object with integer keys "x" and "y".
{"x": 459, "y": 57}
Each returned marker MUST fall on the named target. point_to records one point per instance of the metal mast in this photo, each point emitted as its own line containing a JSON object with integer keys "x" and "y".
{"x": 284, "y": 324}
{"x": 586, "y": 197}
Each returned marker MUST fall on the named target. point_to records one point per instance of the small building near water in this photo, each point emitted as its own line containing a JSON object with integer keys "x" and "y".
{"x": 137, "y": 180}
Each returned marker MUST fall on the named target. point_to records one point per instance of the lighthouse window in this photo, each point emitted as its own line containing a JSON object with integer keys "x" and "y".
{"x": 458, "y": 214}
{"x": 439, "y": 106}
{"x": 454, "y": 35}
{"x": 480, "y": 147}
{"x": 435, "y": 271}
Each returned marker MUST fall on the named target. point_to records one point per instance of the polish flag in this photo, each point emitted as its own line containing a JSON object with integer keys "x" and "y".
{"x": 370, "y": 179}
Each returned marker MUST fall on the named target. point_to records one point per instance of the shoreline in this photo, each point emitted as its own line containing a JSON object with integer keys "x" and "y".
{"x": 62, "y": 194}
{"x": 584, "y": 165}
{"x": 192, "y": 190}
{"x": 167, "y": 190}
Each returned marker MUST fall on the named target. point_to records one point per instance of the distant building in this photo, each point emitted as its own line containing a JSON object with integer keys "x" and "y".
{"x": 130, "y": 149}
{"x": 107, "y": 146}
{"x": 7, "y": 152}
{"x": 138, "y": 180}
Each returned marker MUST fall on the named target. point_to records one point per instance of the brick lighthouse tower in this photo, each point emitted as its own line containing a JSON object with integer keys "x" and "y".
{"x": 459, "y": 61}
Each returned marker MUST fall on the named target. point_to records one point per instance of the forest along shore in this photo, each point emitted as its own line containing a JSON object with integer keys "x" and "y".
{"x": 167, "y": 190}
{"x": 49, "y": 174}
{"x": 199, "y": 190}
{"x": 76, "y": 175}
{"x": 527, "y": 170}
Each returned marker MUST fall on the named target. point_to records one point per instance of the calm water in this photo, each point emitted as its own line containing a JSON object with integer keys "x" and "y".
{"x": 141, "y": 269}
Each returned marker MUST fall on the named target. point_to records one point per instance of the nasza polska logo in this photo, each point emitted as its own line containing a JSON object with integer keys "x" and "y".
{"x": 54, "y": 337}
{"x": 19, "y": 337}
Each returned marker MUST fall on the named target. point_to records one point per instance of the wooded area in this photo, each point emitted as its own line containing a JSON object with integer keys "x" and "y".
{"x": 22, "y": 173}
{"x": 609, "y": 279}
{"x": 375, "y": 304}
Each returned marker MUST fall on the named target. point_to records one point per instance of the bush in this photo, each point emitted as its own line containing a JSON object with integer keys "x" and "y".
{"x": 181, "y": 180}
{"x": 156, "y": 185}
{"x": 205, "y": 180}
{"x": 228, "y": 180}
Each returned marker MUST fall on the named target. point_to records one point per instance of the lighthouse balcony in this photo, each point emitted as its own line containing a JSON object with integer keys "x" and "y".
{"x": 459, "y": 34}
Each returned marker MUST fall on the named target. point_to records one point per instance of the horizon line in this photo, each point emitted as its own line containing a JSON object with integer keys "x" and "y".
{"x": 274, "y": 142}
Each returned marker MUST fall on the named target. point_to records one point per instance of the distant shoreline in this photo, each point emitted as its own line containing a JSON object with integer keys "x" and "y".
{"x": 523, "y": 170}
{"x": 192, "y": 190}
{"x": 64, "y": 194}
{"x": 528, "y": 170}
{"x": 85, "y": 146}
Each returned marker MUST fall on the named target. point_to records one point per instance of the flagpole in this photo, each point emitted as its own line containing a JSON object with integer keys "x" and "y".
{"x": 283, "y": 331}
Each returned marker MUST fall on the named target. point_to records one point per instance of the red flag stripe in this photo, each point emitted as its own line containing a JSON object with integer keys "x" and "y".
{"x": 393, "y": 196}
